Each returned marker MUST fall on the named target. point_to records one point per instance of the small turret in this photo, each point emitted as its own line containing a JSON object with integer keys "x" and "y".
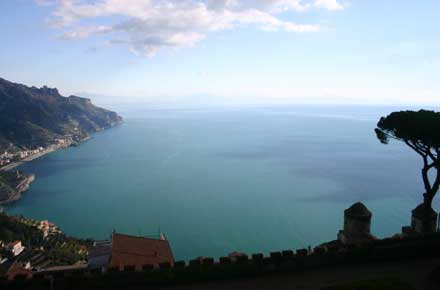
{"x": 357, "y": 224}
{"x": 421, "y": 214}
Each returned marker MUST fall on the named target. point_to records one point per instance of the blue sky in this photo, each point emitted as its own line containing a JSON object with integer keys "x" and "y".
{"x": 273, "y": 51}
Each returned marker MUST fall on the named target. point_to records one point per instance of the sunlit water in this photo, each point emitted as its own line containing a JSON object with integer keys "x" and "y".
{"x": 223, "y": 180}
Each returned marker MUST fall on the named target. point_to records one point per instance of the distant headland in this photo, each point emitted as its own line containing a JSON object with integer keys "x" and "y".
{"x": 32, "y": 117}
{"x": 37, "y": 121}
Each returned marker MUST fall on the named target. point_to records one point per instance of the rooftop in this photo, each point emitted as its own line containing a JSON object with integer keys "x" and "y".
{"x": 358, "y": 210}
{"x": 16, "y": 242}
{"x": 138, "y": 251}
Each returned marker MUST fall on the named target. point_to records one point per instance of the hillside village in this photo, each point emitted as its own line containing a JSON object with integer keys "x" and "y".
{"x": 14, "y": 155}
{"x": 29, "y": 246}
{"x": 33, "y": 245}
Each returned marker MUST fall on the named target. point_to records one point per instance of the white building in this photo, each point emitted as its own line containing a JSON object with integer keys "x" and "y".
{"x": 16, "y": 248}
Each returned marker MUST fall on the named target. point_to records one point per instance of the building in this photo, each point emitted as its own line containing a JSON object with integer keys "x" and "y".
{"x": 357, "y": 224}
{"x": 47, "y": 228}
{"x": 139, "y": 251}
{"x": 15, "y": 248}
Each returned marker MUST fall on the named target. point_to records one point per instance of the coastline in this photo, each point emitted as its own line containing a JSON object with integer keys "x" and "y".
{"x": 28, "y": 159}
{"x": 53, "y": 148}
{"x": 25, "y": 183}
{"x": 19, "y": 189}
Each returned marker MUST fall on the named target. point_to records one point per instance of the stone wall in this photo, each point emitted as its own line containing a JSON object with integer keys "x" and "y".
{"x": 208, "y": 269}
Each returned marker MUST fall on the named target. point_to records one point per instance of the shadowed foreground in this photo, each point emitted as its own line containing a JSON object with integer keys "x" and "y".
{"x": 411, "y": 262}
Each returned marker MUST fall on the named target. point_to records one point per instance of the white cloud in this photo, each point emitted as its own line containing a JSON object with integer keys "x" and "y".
{"x": 328, "y": 4}
{"x": 86, "y": 31}
{"x": 147, "y": 26}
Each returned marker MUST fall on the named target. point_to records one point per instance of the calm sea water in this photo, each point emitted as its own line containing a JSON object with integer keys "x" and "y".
{"x": 222, "y": 180}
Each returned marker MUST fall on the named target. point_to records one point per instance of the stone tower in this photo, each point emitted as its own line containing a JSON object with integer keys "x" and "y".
{"x": 421, "y": 214}
{"x": 357, "y": 223}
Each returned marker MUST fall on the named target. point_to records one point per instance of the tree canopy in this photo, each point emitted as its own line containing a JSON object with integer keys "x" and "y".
{"x": 420, "y": 130}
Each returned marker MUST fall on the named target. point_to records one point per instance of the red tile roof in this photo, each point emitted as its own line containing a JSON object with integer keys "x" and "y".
{"x": 139, "y": 251}
{"x": 14, "y": 243}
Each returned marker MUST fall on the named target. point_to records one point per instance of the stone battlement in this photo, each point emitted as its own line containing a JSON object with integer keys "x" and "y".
{"x": 209, "y": 269}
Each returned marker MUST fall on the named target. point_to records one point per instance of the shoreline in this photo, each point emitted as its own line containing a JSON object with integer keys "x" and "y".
{"x": 25, "y": 184}
{"x": 19, "y": 189}
{"x": 54, "y": 148}
{"x": 28, "y": 159}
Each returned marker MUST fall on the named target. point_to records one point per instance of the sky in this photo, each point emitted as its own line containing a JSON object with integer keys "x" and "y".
{"x": 232, "y": 51}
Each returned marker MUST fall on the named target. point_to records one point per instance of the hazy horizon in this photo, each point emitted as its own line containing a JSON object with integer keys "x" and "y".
{"x": 217, "y": 52}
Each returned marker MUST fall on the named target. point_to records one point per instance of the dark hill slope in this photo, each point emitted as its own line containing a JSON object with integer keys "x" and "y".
{"x": 31, "y": 116}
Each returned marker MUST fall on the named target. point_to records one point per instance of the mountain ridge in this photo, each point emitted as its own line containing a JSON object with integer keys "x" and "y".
{"x": 32, "y": 117}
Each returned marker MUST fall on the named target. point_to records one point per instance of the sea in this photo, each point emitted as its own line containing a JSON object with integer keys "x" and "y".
{"x": 215, "y": 180}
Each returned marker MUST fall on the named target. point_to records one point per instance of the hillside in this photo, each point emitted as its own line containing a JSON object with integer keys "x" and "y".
{"x": 31, "y": 117}
{"x": 8, "y": 182}
{"x": 12, "y": 184}
{"x": 44, "y": 246}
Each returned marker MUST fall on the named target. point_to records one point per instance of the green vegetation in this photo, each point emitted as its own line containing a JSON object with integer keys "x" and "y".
{"x": 62, "y": 250}
{"x": 56, "y": 247}
{"x": 32, "y": 117}
{"x": 11, "y": 229}
{"x": 8, "y": 182}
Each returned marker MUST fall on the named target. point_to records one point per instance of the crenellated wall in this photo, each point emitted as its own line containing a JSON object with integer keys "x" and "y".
{"x": 208, "y": 269}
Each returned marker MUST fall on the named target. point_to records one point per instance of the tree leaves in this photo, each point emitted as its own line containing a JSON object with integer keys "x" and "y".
{"x": 420, "y": 127}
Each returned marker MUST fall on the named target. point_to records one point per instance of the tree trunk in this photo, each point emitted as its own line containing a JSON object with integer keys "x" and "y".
{"x": 427, "y": 201}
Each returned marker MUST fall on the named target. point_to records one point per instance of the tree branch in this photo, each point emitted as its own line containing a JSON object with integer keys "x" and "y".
{"x": 431, "y": 155}
{"x": 432, "y": 165}
{"x": 391, "y": 136}
{"x": 415, "y": 148}
{"x": 436, "y": 184}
